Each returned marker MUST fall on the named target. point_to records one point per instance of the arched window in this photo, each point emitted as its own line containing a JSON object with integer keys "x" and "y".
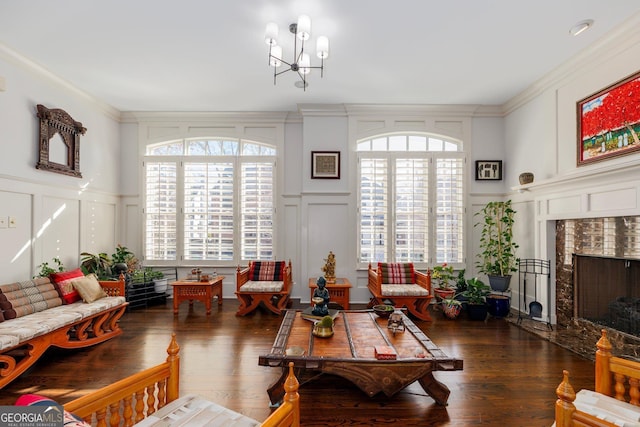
{"x": 209, "y": 199}
{"x": 411, "y": 200}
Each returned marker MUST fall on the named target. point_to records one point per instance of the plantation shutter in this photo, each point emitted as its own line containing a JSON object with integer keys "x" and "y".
{"x": 208, "y": 211}
{"x": 449, "y": 209}
{"x": 160, "y": 211}
{"x": 374, "y": 216}
{"x": 411, "y": 210}
{"x": 257, "y": 210}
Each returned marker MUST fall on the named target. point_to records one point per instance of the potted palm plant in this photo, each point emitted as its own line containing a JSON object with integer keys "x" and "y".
{"x": 497, "y": 257}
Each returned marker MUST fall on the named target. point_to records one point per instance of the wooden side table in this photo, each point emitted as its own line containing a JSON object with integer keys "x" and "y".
{"x": 191, "y": 290}
{"x": 338, "y": 292}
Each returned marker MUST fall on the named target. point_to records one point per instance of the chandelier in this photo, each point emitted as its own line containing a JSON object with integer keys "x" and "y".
{"x": 301, "y": 62}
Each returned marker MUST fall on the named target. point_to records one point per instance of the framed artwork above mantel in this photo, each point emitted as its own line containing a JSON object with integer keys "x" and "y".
{"x": 609, "y": 121}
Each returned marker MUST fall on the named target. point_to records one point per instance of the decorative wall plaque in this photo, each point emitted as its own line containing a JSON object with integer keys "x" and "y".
{"x": 58, "y": 122}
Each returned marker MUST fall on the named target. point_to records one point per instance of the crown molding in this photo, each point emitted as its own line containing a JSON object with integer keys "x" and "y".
{"x": 610, "y": 45}
{"x": 14, "y": 57}
{"x": 205, "y": 116}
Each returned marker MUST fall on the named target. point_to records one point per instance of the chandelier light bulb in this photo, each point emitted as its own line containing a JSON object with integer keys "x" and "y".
{"x": 305, "y": 64}
{"x": 322, "y": 47}
{"x": 275, "y": 59}
{"x": 304, "y": 27}
{"x": 271, "y": 34}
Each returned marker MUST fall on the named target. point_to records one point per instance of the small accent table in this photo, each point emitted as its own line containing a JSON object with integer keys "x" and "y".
{"x": 338, "y": 292}
{"x": 191, "y": 290}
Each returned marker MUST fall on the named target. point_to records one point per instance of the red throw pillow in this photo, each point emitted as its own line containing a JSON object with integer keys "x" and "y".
{"x": 62, "y": 281}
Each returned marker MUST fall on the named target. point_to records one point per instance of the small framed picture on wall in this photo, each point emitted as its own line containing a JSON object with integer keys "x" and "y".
{"x": 488, "y": 170}
{"x": 325, "y": 164}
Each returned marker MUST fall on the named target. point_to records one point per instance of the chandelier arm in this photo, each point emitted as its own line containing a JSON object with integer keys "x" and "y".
{"x": 282, "y": 72}
{"x": 281, "y": 60}
{"x": 304, "y": 81}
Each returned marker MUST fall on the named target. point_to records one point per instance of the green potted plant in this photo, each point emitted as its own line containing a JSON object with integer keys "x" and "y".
{"x": 442, "y": 276}
{"x": 476, "y": 294}
{"x": 497, "y": 257}
{"x": 159, "y": 281}
{"x": 46, "y": 269}
{"x": 123, "y": 260}
{"x": 99, "y": 264}
{"x": 451, "y": 306}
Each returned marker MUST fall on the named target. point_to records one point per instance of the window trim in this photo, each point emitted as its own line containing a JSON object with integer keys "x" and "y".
{"x": 432, "y": 220}
{"x": 237, "y": 160}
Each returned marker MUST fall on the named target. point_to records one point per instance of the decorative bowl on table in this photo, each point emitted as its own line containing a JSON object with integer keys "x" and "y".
{"x": 383, "y": 310}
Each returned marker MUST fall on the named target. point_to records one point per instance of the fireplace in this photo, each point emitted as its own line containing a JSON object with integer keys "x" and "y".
{"x": 607, "y": 292}
{"x": 581, "y": 312}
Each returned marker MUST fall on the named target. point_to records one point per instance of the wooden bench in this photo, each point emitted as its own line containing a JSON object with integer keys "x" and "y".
{"x": 414, "y": 293}
{"x": 615, "y": 377}
{"x": 24, "y": 339}
{"x": 153, "y": 391}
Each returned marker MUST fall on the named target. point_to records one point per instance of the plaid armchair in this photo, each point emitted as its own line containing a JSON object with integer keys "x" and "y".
{"x": 263, "y": 282}
{"x": 403, "y": 285}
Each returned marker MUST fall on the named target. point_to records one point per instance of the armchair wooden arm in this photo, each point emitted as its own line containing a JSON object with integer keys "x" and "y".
{"x": 114, "y": 288}
{"x": 614, "y": 376}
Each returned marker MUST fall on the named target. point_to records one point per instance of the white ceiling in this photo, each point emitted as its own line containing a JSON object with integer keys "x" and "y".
{"x": 210, "y": 55}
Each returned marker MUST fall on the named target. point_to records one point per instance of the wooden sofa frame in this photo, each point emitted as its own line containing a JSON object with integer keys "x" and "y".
{"x": 134, "y": 398}
{"x": 273, "y": 301}
{"x": 614, "y": 376}
{"x": 89, "y": 331}
{"x": 417, "y": 305}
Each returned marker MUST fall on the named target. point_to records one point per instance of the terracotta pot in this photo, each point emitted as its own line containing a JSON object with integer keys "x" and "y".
{"x": 443, "y": 293}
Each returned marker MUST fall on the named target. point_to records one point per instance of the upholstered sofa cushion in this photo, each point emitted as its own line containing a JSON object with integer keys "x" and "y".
{"x": 32, "y": 296}
{"x": 607, "y": 408}
{"x": 62, "y": 281}
{"x": 262, "y": 286}
{"x": 397, "y": 272}
{"x": 88, "y": 288}
{"x": 267, "y": 271}
{"x": 403, "y": 290}
{"x": 24, "y": 328}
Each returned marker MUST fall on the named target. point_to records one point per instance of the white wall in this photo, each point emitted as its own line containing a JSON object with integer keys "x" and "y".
{"x": 53, "y": 212}
{"x": 541, "y": 135}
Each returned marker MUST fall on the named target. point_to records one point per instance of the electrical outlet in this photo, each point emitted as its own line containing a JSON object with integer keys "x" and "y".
{"x": 12, "y": 222}
{"x": 3, "y": 222}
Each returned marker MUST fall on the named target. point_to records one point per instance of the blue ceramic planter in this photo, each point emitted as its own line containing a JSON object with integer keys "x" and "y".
{"x": 499, "y": 305}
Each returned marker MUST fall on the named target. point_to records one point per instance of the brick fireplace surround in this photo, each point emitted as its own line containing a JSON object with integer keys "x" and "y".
{"x": 578, "y": 335}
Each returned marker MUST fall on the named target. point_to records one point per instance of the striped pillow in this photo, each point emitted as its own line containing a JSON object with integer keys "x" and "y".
{"x": 397, "y": 272}
{"x": 22, "y": 298}
{"x": 261, "y": 271}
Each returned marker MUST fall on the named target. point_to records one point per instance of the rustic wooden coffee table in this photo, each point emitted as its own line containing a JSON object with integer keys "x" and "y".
{"x": 190, "y": 290}
{"x": 349, "y": 353}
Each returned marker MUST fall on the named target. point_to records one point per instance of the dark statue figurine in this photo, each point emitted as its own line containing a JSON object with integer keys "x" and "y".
{"x": 321, "y": 298}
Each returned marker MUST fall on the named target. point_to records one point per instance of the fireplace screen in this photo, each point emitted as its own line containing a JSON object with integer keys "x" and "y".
{"x": 607, "y": 291}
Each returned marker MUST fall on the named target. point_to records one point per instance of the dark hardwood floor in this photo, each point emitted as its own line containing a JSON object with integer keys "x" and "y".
{"x": 509, "y": 376}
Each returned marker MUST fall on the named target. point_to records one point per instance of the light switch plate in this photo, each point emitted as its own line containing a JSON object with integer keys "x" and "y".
{"x": 3, "y": 222}
{"x": 12, "y": 222}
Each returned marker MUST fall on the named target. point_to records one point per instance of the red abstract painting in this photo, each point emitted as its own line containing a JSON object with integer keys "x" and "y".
{"x": 609, "y": 121}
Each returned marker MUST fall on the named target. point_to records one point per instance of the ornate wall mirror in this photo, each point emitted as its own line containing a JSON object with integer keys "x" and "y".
{"x": 59, "y": 142}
